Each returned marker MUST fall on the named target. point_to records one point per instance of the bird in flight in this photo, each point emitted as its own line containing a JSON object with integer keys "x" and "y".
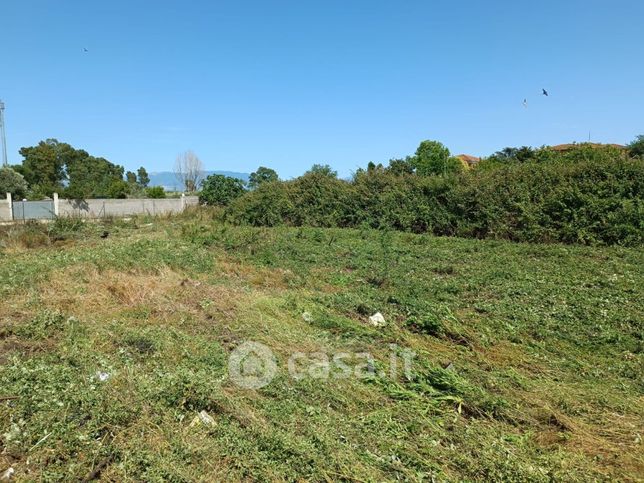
{"x": 545, "y": 92}
{"x": 85, "y": 49}
{"x": 525, "y": 103}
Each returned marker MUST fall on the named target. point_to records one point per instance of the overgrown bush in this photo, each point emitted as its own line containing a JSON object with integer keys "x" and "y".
{"x": 155, "y": 192}
{"x": 269, "y": 205}
{"x": 320, "y": 199}
{"x": 594, "y": 201}
{"x": 636, "y": 148}
{"x": 409, "y": 202}
{"x": 220, "y": 190}
{"x": 65, "y": 227}
{"x": 585, "y": 195}
{"x": 317, "y": 198}
{"x": 12, "y": 182}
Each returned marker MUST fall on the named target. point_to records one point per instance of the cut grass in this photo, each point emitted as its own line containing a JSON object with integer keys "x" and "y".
{"x": 544, "y": 341}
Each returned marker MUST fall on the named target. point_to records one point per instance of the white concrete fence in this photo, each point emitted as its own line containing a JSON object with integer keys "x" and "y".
{"x": 6, "y": 212}
{"x": 98, "y": 208}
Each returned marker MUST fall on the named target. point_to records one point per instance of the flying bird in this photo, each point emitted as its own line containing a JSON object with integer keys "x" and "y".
{"x": 85, "y": 49}
{"x": 525, "y": 103}
{"x": 545, "y": 92}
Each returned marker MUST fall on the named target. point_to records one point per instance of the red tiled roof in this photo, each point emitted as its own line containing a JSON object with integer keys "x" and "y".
{"x": 468, "y": 159}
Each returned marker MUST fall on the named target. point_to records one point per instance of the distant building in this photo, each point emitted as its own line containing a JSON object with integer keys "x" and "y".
{"x": 470, "y": 160}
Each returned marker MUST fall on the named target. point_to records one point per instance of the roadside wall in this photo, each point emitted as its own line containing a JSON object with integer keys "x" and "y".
{"x": 125, "y": 207}
{"x": 6, "y": 213}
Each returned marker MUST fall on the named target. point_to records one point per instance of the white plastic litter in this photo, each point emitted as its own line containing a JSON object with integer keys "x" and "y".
{"x": 377, "y": 320}
{"x": 307, "y": 317}
{"x": 7, "y": 475}
{"x": 102, "y": 376}
{"x": 203, "y": 418}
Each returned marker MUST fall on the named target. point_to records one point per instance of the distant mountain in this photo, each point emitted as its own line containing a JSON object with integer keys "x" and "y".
{"x": 169, "y": 181}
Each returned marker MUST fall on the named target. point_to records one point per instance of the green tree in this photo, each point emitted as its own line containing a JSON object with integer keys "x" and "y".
{"x": 322, "y": 169}
{"x": 91, "y": 177}
{"x": 262, "y": 175}
{"x": 130, "y": 178}
{"x": 220, "y": 190}
{"x": 401, "y": 167}
{"x": 514, "y": 155}
{"x": 156, "y": 192}
{"x": 143, "y": 177}
{"x": 12, "y": 182}
{"x": 52, "y": 166}
{"x": 636, "y": 148}
{"x": 43, "y": 166}
{"x": 432, "y": 158}
{"x": 117, "y": 189}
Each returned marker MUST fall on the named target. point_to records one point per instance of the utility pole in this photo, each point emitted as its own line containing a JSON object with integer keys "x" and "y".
{"x": 5, "y": 163}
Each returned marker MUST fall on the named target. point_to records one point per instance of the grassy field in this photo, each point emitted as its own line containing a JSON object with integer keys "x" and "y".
{"x": 528, "y": 366}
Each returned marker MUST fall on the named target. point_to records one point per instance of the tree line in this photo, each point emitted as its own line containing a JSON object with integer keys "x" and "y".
{"x": 587, "y": 194}
{"x": 56, "y": 167}
{"x": 584, "y": 193}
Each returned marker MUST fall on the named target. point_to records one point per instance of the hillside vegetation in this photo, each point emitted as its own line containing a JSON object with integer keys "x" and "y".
{"x": 528, "y": 359}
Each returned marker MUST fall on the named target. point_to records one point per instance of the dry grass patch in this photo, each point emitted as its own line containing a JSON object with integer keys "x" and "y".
{"x": 274, "y": 279}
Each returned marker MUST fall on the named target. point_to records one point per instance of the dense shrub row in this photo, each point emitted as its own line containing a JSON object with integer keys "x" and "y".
{"x": 587, "y": 196}
{"x": 588, "y": 202}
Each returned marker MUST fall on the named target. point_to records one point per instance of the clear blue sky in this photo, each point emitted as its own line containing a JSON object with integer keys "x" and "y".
{"x": 290, "y": 83}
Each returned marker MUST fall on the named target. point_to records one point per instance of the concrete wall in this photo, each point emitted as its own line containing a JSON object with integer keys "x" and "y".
{"x": 126, "y": 207}
{"x": 117, "y": 208}
{"x": 6, "y": 211}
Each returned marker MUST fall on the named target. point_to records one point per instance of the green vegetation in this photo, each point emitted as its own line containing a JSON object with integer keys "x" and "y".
{"x": 636, "y": 148}
{"x": 55, "y": 167}
{"x": 433, "y": 159}
{"x": 12, "y": 182}
{"x": 528, "y": 366}
{"x": 115, "y": 336}
{"x": 220, "y": 190}
{"x": 130, "y": 177}
{"x": 143, "y": 179}
{"x": 262, "y": 175}
{"x": 155, "y": 192}
{"x": 431, "y": 183}
{"x": 52, "y": 167}
{"x": 323, "y": 170}
{"x": 43, "y": 167}
{"x": 587, "y": 194}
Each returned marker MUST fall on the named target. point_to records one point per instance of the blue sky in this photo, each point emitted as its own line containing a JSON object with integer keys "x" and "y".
{"x": 287, "y": 84}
